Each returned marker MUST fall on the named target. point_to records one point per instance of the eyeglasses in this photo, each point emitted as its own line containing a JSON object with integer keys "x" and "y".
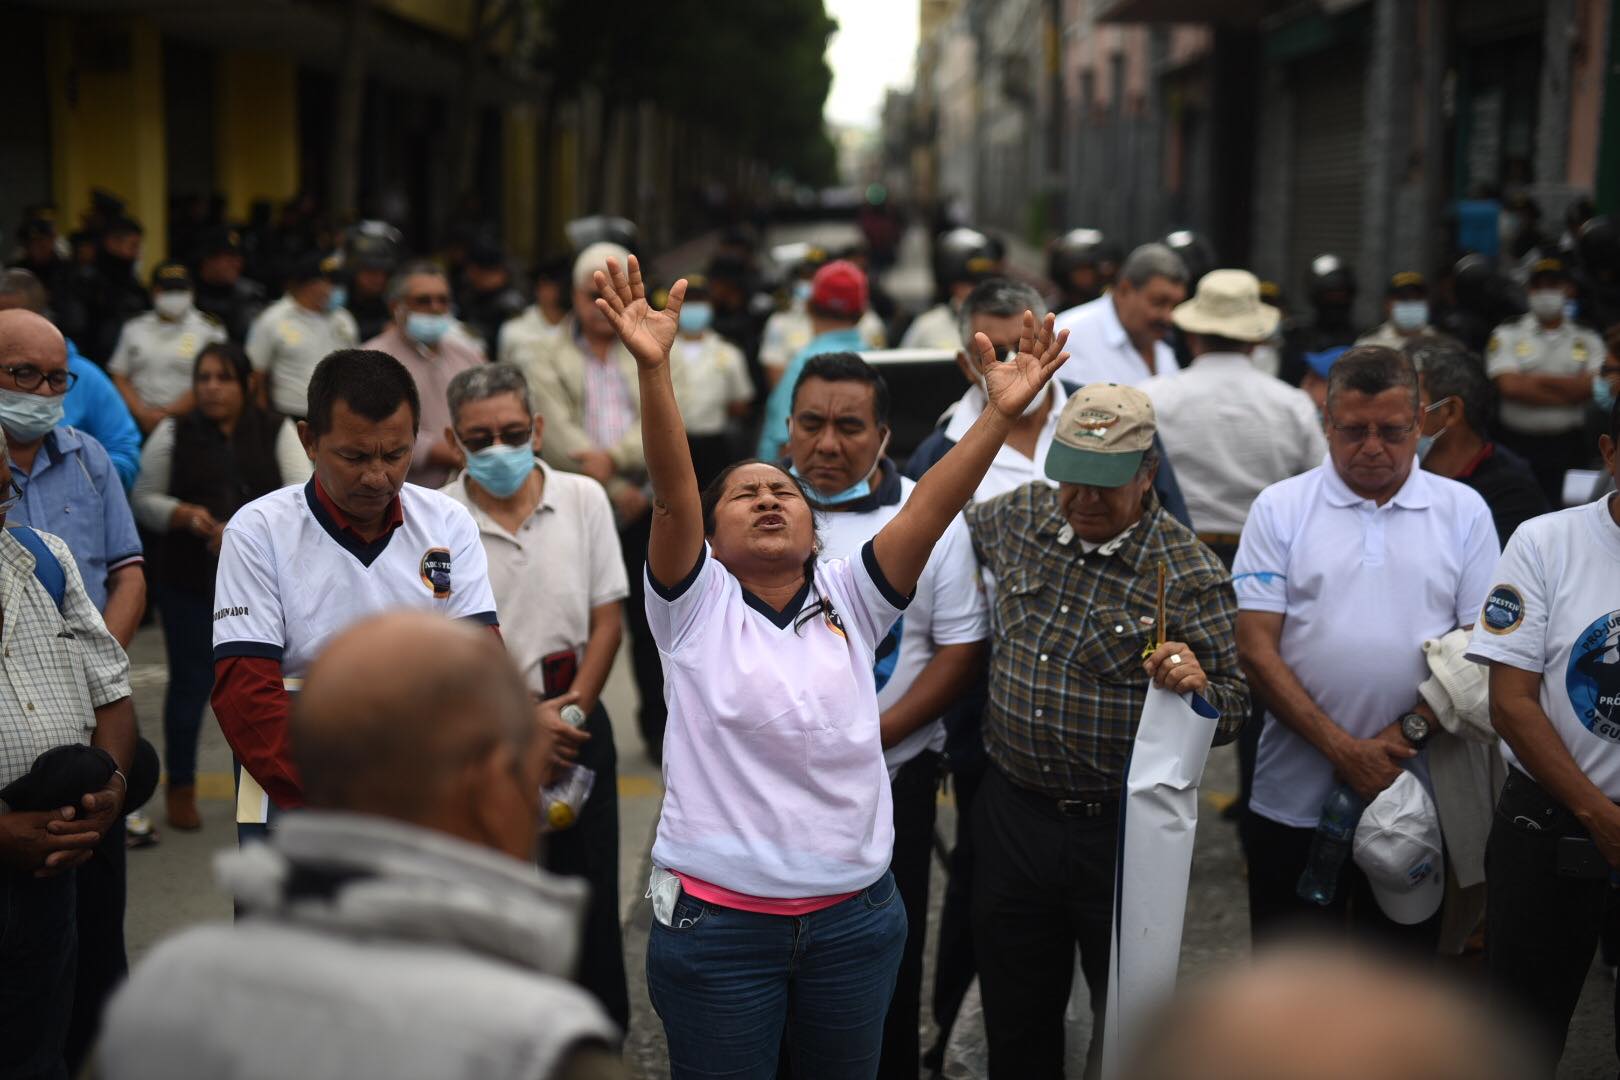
{"x": 512, "y": 436}
{"x": 1388, "y": 434}
{"x": 28, "y": 377}
{"x": 13, "y": 495}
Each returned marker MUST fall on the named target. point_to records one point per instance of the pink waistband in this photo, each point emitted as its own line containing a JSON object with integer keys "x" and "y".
{"x": 763, "y": 905}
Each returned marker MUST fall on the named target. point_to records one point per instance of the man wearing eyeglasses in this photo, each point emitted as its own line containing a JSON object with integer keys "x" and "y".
{"x": 560, "y": 581}
{"x": 1342, "y": 574}
{"x": 424, "y": 337}
{"x": 70, "y": 487}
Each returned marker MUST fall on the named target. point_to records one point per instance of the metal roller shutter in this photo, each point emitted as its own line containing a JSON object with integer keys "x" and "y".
{"x": 1325, "y": 206}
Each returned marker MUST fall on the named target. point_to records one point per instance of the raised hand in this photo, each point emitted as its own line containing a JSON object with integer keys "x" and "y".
{"x": 647, "y": 333}
{"x": 1013, "y": 384}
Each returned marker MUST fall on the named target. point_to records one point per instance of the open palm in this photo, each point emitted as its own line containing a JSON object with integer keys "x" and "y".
{"x": 1013, "y": 384}
{"x": 645, "y": 331}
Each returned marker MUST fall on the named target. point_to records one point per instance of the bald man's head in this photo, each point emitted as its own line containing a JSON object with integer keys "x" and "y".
{"x": 417, "y": 717}
{"x": 1327, "y": 1014}
{"x": 28, "y": 338}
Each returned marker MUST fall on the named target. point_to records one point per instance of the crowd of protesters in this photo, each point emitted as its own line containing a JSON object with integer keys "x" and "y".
{"x": 1350, "y": 541}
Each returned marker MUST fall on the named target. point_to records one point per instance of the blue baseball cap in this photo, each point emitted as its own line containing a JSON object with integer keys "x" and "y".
{"x": 1322, "y": 362}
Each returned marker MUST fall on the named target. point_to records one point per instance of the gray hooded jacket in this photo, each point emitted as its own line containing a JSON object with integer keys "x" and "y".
{"x": 368, "y": 948}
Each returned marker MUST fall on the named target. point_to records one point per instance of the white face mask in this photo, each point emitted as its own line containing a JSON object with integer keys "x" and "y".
{"x": 1547, "y": 304}
{"x": 1409, "y": 316}
{"x": 172, "y": 305}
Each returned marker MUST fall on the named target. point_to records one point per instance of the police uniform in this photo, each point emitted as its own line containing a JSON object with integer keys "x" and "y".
{"x": 156, "y": 354}
{"x": 936, "y": 328}
{"x": 1547, "y": 436}
{"x": 286, "y": 343}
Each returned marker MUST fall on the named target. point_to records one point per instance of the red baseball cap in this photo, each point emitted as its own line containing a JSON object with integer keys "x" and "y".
{"x": 839, "y": 288}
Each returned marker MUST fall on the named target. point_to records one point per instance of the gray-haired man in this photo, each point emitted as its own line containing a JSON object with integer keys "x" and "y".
{"x": 1120, "y": 337}
{"x": 559, "y": 579}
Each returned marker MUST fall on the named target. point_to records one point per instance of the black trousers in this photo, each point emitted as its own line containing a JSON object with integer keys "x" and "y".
{"x": 1277, "y": 856}
{"x": 590, "y": 849}
{"x": 1542, "y": 928}
{"x": 954, "y": 966}
{"x": 915, "y": 789}
{"x": 1549, "y": 457}
{"x": 644, "y": 659}
{"x": 38, "y": 958}
{"x": 1043, "y": 883}
{"x": 101, "y": 885}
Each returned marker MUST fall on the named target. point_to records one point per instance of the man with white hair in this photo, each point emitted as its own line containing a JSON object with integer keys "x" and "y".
{"x": 584, "y": 383}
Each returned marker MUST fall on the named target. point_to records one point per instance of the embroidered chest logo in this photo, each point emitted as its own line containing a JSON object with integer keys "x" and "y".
{"x": 436, "y": 572}
{"x": 834, "y": 623}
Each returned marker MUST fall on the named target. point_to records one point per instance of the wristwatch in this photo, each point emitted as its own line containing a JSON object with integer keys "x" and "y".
{"x": 1417, "y": 729}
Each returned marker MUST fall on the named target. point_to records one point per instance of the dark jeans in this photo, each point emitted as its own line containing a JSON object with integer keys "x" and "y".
{"x": 38, "y": 959}
{"x": 1043, "y": 883}
{"x": 103, "y": 963}
{"x": 726, "y": 983}
{"x": 1542, "y": 929}
{"x": 1277, "y": 856}
{"x": 590, "y": 850}
{"x": 188, "y": 641}
{"x": 954, "y": 966}
{"x": 644, "y": 658}
{"x": 916, "y": 791}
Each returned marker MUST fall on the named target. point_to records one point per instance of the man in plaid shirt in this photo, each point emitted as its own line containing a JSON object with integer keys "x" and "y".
{"x": 64, "y": 679}
{"x": 1076, "y": 600}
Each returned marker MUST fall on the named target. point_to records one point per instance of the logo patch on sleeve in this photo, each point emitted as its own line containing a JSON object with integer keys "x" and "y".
{"x": 1504, "y": 610}
{"x": 436, "y": 572}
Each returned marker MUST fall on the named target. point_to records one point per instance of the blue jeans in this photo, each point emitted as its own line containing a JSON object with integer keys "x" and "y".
{"x": 188, "y": 639}
{"x": 726, "y": 983}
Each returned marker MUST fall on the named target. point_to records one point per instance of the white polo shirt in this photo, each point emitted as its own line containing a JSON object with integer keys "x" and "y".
{"x": 948, "y": 608}
{"x": 773, "y": 769}
{"x": 1361, "y": 587}
{"x": 709, "y": 374}
{"x": 1010, "y": 469}
{"x": 157, "y": 355}
{"x": 1101, "y": 352}
{"x": 1230, "y": 431}
{"x": 290, "y": 577}
{"x": 1554, "y": 608}
{"x": 562, "y": 562}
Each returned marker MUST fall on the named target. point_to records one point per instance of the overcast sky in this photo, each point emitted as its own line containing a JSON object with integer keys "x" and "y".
{"x": 874, "y": 49}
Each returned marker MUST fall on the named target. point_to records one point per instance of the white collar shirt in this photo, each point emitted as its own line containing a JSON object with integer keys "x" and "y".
{"x": 1230, "y": 432}
{"x": 1101, "y": 352}
{"x": 562, "y": 562}
{"x": 287, "y": 341}
{"x": 522, "y": 335}
{"x": 1010, "y": 469}
{"x": 1360, "y": 587}
{"x": 157, "y": 355}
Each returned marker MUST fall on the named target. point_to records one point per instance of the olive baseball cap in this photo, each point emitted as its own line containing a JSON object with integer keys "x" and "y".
{"x": 1102, "y": 434}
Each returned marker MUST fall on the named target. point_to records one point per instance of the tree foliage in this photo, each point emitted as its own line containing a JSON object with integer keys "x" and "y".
{"x": 753, "y": 71}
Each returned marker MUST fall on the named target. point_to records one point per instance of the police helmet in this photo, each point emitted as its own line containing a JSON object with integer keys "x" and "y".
{"x": 964, "y": 255}
{"x": 1329, "y": 274}
{"x": 1196, "y": 252}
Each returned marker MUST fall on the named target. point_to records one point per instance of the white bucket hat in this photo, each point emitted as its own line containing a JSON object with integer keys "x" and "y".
{"x": 1228, "y": 304}
{"x": 1398, "y": 847}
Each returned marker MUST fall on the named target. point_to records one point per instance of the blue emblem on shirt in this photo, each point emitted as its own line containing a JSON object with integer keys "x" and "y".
{"x": 1593, "y": 677}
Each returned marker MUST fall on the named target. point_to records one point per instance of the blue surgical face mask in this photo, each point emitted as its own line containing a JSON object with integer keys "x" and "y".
{"x": 26, "y": 417}
{"x": 696, "y": 317}
{"x": 501, "y": 469}
{"x": 427, "y": 328}
{"x": 801, "y": 291}
{"x": 859, "y": 490}
{"x": 1409, "y": 316}
{"x": 339, "y": 297}
{"x": 1602, "y": 393}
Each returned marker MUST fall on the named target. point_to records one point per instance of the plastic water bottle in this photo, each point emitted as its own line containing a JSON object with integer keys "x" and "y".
{"x": 1335, "y": 831}
{"x": 563, "y": 799}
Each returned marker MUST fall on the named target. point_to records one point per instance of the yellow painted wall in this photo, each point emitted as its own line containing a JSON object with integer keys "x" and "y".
{"x": 107, "y": 126}
{"x": 520, "y": 190}
{"x": 256, "y": 129}
{"x": 449, "y": 17}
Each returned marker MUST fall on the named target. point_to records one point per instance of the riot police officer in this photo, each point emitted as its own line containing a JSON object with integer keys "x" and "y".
{"x": 1598, "y": 276}
{"x": 1330, "y": 286}
{"x": 220, "y": 290}
{"x": 1082, "y": 264}
{"x": 1484, "y": 300}
{"x": 962, "y": 259}
{"x": 371, "y": 251}
{"x": 488, "y": 297}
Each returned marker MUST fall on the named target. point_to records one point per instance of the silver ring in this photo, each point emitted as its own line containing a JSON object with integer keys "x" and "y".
{"x": 1175, "y": 659}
